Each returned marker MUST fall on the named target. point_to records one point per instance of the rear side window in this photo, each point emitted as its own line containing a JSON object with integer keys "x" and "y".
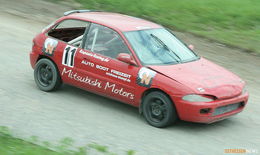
{"x": 70, "y": 31}
{"x": 105, "y": 41}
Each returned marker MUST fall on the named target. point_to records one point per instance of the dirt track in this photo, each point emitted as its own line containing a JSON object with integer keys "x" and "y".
{"x": 86, "y": 117}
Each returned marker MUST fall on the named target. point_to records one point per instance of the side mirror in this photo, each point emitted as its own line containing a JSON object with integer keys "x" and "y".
{"x": 127, "y": 58}
{"x": 191, "y": 47}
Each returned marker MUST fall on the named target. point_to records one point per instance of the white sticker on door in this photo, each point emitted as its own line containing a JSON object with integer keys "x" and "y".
{"x": 68, "y": 57}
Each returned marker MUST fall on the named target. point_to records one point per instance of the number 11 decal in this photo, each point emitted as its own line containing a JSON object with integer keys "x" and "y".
{"x": 69, "y": 56}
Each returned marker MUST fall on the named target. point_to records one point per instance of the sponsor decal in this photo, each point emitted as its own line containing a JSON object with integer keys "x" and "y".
{"x": 110, "y": 72}
{"x": 119, "y": 75}
{"x": 87, "y": 63}
{"x": 94, "y": 56}
{"x": 102, "y": 68}
{"x": 68, "y": 57}
{"x": 86, "y": 80}
{"x": 49, "y": 46}
{"x": 107, "y": 86}
{"x": 120, "y": 91}
{"x": 145, "y": 77}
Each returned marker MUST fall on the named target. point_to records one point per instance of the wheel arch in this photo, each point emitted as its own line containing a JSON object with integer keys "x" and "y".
{"x": 152, "y": 90}
{"x": 46, "y": 57}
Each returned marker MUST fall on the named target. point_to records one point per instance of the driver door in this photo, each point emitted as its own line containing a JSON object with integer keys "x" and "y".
{"x": 98, "y": 60}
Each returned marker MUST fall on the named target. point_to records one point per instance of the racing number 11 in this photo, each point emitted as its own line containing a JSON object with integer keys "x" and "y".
{"x": 69, "y": 56}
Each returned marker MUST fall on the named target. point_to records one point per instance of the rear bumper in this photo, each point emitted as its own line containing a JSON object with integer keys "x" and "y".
{"x": 191, "y": 111}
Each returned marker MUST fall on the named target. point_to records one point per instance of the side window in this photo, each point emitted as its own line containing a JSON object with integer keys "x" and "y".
{"x": 105, "y": 41}
{"x": 70, "y": 31}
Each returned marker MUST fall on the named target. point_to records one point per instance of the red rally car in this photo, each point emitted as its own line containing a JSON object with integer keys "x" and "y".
{"x": 137, "y": 62}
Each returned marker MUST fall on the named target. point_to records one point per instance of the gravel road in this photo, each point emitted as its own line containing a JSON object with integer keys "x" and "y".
{"x": 87, "y": 118}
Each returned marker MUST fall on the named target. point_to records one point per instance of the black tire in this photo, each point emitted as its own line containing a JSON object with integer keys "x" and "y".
{"x": 46, "y": 75}
{"x": 158, "y": 109}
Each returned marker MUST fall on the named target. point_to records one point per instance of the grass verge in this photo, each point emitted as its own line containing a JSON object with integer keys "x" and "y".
{"x": 233, "y": 22}
{"x": 10, "y": 145}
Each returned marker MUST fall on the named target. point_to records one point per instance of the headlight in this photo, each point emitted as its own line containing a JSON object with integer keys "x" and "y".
{"x": 198, "y": 98}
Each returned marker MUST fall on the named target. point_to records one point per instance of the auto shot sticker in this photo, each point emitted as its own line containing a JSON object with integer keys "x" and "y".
{"x": 145, "y": 77}
{"x": 109, "y": 72}
{"x": 49, "y": 46}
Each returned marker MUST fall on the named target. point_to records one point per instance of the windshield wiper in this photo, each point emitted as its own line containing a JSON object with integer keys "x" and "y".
{"x": 165, "y": 46}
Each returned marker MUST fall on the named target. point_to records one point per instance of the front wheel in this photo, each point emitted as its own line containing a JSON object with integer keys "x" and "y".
{"x": 159, "y": 110}
{"x": 46, "y": 75}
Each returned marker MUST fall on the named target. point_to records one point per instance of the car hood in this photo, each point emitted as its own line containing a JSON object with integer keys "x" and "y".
{"x": 204, "y": 77}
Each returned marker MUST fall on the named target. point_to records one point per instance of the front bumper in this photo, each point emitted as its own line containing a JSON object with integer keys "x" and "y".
{"x": 191, "y": 111}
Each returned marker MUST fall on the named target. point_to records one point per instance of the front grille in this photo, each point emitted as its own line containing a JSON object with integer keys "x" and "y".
{"x": 227, "y": 108}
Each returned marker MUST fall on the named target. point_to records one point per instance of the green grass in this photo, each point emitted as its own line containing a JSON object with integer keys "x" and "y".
{"x": 10, "y": 145}
{"x": 14, "y": 146}
{"x": 233, "y": 22}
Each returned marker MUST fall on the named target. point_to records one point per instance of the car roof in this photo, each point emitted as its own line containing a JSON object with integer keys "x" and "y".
{"x": 115, "y": 20}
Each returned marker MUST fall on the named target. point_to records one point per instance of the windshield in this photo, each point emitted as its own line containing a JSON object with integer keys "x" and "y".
{"x": 159, "y": 46}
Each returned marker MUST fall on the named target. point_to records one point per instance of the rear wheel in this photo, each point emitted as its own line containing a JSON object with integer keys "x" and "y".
{"x": 46, "y": 75}
{"x": 158, "y": 109}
